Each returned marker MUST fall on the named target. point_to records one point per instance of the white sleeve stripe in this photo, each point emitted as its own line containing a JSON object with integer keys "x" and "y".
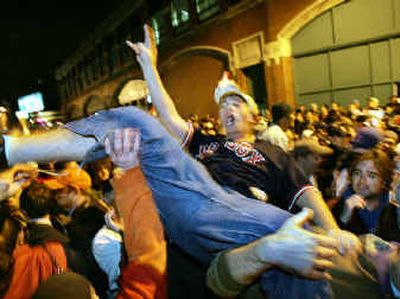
{"x": 188, "y": 135}
{"x": 7, "y": 141}
{"x": 298, "y": 194}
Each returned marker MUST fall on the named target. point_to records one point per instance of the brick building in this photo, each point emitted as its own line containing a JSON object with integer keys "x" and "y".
{"x": 297, "y": 51}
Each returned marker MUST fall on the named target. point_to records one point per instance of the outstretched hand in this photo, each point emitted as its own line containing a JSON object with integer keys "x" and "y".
{"x": 122, "y": 145}
{"x": 146, "y": 53}
{"x": 294, "y": 248}
{"x": 15, "y": 178}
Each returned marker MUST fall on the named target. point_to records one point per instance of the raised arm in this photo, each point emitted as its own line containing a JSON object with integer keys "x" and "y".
{"x": 145, "y": 274}
{"x": 146, "y": 55}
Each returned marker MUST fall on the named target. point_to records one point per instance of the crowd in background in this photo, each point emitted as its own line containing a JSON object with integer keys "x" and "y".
{"x": 351, "y": 154}
{"x": 92, "y": 229}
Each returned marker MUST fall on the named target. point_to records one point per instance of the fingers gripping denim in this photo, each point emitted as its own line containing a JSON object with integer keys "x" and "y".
{"x": 199, "y": 215}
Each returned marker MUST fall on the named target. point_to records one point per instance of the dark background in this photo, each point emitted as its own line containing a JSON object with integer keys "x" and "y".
{"x": 37, "y": 36}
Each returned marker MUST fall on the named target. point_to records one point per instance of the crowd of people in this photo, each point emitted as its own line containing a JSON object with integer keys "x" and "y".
{"x": 299, "y": 203}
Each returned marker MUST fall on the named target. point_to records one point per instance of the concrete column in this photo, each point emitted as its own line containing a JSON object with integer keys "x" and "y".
{"x": 279, "y": 72}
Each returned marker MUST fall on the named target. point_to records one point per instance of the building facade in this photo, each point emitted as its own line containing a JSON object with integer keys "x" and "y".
{"x": 296, "y": 51}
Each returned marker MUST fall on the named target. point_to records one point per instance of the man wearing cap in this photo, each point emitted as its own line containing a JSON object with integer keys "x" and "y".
{"x": 199, "y": 215}
{"x": 308, "y": 154}
{"x": 238, "y": 161}
{"x": 366, "y": 139}
{"x": 72, "y": 185}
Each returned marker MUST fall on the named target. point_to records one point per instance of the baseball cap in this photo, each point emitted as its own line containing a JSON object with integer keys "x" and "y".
{"x": 227, "y": 87}
{"x": 367, "y": 138}
{"x": 71, "y": 176}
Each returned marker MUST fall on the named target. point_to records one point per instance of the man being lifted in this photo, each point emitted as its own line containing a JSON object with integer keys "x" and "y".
{"x": 238, "y": 161}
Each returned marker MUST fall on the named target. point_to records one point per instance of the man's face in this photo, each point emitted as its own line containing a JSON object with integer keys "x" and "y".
{"x": 372, "y": 104}
{"x": 324, "y": 111}
{"x": 366, "y": 180}
{"x": 341, "y": 141}
{"x": 314, "y": 107}
{"x": 235, "y": 116}
{"x": 67, "y": 198}
{"x": 388, "y": 143}
{"x": 310, "y": 163}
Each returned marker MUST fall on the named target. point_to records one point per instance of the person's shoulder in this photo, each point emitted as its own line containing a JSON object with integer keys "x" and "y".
{"x": 39, "y": 234}
{"x": 272, "y": 152}
{"x": 271, "y": 129}
{"x": 28, "y": 253}
{"x": 268, "y": 148}
{"x": 274, "y": 129}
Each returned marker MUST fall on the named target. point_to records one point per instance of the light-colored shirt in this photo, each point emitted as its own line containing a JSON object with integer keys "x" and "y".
{"x": 277, "y": 136}
{"x": 106, "y": 248}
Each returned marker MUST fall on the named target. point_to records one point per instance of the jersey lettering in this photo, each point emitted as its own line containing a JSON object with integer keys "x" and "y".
{"x": 207, "y": 150}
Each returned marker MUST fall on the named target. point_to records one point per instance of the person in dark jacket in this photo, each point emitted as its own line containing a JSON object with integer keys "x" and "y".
{"x": 362, "y": 203}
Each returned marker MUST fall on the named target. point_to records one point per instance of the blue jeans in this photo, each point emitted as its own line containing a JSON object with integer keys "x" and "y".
{"x": 199, "y": 215}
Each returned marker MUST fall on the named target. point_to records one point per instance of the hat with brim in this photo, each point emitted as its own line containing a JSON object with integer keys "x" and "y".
{"x": 367, "y": 138}
{"x": 227, "y": 87}
{"x": 74, "y": 177}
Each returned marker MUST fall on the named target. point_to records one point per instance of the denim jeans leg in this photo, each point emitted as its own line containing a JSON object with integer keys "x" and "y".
{"x": 198, "y": 214}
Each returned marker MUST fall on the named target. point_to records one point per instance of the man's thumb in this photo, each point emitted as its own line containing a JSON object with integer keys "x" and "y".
{"x": 301, "y": 218}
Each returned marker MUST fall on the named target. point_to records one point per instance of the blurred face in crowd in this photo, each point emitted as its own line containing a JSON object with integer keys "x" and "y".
{"x": 291, "y": 119}
{"x": 366, "y": 180}
{"x": 388, "y": 144}
{"x": 287, "y": 122}
{"x": 299, "y": 117}
{"x": 352, "y": 108}
{"x": 314, "y": 107}
{"x": 395, "y": 186}
{"x": 310, "y": 117}
{"x": 236, "y": 117}
{"x": 208, "y": 128}
{"x": 309, "y": 163}
{"x": 341, "y": 141}
{"x": 67, "y": 198}
{"x": 351, "y": 132}
{"x": 373, "y": 103}
{"x": 324, "y": 111}
{"x": 390, "y": 141}
{"x": 103, "y": 169}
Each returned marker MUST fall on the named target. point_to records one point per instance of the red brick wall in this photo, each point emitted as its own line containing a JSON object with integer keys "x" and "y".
{"x": 280, "y": 12}
{"x": 191, "y": 84}
{"x": 192, "y": 79}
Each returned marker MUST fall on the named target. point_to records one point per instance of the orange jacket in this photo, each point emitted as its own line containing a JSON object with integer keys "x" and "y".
{"x": 145, "y": 274}
{"x": 32, "y": 266}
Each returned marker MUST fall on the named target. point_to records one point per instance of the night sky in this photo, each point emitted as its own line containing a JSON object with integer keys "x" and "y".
{"x": 36, "y": 37}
